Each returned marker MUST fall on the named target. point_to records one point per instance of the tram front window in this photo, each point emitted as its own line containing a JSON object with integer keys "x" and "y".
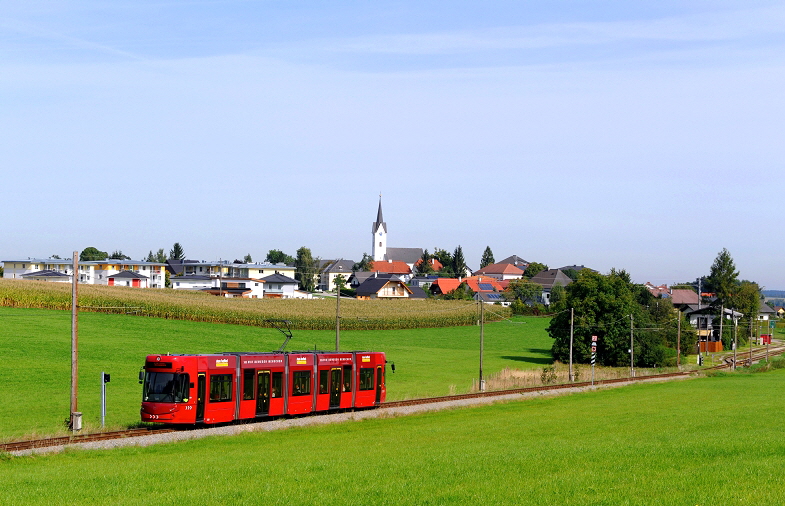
{"x": 166, "y": 387}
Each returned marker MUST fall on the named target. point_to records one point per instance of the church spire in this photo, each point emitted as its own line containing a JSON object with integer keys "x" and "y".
{"x": 379, "y": 219}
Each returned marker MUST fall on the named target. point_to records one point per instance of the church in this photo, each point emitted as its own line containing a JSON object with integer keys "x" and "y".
{"x": 382, "y": 253}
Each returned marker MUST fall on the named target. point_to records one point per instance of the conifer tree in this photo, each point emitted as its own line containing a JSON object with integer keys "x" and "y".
{"x": 487, "y": 258}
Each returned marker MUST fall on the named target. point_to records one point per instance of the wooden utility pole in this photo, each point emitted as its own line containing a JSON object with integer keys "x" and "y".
{"x": 751, "y": 343}
{"x": 632, "y": 351}
{"x": 572, "y": 326}
{"x": 722, "y": 317}
{"x": 75, "y": 420}
{"x": 337, "y": 313}
{"x": 220, "y": 277}
{"x": 482, "y": 341}
{"x": 678, "y": 341}
{"x": 735, "y": 344}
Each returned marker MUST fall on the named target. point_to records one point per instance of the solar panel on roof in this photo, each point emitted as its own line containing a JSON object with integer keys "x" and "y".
{"x": 486, "y": 286}
{"x": 494, "y": 296}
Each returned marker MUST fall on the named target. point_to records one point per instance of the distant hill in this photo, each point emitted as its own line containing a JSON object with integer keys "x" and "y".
{"x": 776, "y": 294}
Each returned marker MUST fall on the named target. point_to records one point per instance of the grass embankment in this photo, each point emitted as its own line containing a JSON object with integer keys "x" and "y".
{"x": 202, "y": 307}
{"x": 703, "y": 441}
{"x": 36, "y": 344}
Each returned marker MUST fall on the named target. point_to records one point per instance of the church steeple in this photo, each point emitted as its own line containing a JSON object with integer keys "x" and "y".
{"x": 379, "y": 219}
{"x": 379, "y": 231}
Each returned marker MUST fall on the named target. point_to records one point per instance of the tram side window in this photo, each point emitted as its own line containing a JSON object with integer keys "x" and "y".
{"x": 248, "y": 386}
{"x": 301, "y": 383}
{"x": 323, "y": 389}
{"x": 366, "y": 379}
{"x": 347, "y": 378}
{"x": 220, "y": 388}
{"x": 277, "y": 384}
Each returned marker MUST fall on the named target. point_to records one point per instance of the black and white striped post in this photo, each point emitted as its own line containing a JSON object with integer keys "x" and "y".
{"x": 593, "y": 356}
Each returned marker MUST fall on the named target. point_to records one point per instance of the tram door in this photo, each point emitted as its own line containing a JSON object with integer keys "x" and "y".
{"x": 379, "y": 380}
{"x": 201, "y": 391}
{"x": 335, "y": 387}
{"x": 263, "y": 393}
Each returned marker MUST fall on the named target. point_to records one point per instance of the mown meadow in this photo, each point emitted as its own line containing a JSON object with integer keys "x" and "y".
{"x": 37, "y": 342}
{"x": 714, "y": 440}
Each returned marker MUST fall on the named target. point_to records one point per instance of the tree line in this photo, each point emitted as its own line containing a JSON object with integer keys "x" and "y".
{"x": 625, "y": 316}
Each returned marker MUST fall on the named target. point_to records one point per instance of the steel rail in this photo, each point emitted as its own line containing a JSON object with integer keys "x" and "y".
{"x": 81, "y": 438}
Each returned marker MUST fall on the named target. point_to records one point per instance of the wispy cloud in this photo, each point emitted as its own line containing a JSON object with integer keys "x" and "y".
{"x": 20, "y": 36}
{"x": 707, "y": 28}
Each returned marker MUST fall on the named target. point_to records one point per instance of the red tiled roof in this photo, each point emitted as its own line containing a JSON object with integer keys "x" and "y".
{"x": 435, "y": 263}
{"x": 508, "y": 269}
{"x": 394, "y": 267}
{"x": 474, "y": 283}
{"x": 684, "y": 296}
{"x": 446, "y": 285}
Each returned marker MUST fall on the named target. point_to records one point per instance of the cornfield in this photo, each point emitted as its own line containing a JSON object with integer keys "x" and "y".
{"x": 317, "y": 314}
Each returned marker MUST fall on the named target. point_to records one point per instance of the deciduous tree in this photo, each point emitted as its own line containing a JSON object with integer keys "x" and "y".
{"x": 306, "y": 268}
{"x": 557, "y": 297}
{"x": 533, "y": 269}
{"x": 90, "y": 253}
{"x": 723, "y": 277}
{"x": 445, "y": 258}
{"x": 159, "y": 256}
{"x": 276, "y": 256}
{"x": 571, "y": 273}
{"x": 524, "y": 291}
{"x": 363, "y": 265}
{"x": 603, "y": 305}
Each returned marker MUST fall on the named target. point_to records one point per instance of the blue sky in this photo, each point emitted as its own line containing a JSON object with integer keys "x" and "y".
{"x": 610, "y": 134}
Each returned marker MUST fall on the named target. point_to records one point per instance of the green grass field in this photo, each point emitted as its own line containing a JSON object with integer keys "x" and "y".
{"x": 36, "y": 344}
{"x": 704, "y": 441}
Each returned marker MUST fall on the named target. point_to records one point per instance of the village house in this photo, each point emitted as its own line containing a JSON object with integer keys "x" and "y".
{"x": 331, "y": 269}
{"x": 500, "y": 271}
{"x": 93, "y": 272}
{"x": 381, "y": 288}
{"x": 548, "y": 279}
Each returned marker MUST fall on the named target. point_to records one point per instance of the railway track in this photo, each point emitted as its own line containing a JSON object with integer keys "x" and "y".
{"x": 131, "y": 433}
{"x": 543, "y": 388}
{"x": 81, "y": 438}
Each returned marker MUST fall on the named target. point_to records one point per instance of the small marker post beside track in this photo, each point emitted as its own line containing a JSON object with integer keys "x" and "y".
{"x": 593, "y": 356}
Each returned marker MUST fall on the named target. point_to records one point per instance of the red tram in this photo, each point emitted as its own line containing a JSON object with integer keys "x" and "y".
{"x": 189, "y": 389}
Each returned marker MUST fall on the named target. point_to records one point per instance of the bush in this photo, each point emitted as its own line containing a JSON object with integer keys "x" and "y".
{"x": 548, "y": 376}
{"x": 518, "y": 307}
